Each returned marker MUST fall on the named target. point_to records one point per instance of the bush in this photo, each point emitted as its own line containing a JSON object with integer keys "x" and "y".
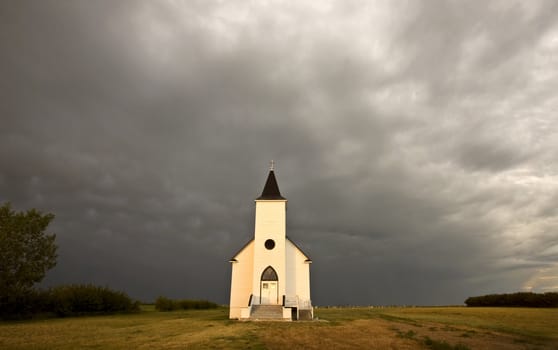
{"x": 70, "y": 300}
{"x": 88, "y": 299}
{"x": 520, "y": 299}
{"x": 166, "y": 304}
{"x": 24, "y": 305}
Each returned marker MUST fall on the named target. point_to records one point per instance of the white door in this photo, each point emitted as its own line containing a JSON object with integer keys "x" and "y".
{"x": 269, "y": 293}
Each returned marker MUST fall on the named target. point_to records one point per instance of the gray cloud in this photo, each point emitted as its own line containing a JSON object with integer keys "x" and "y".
{"x": 415, "y": 142}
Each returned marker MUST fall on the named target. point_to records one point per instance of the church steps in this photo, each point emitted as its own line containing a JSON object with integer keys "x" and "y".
{"x": 266, "y": 312}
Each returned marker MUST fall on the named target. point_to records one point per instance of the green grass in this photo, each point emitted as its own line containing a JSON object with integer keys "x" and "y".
{"x": 456, "y": 328}
{"x": 530, "y": 322}
{"x": 148, "y": 330}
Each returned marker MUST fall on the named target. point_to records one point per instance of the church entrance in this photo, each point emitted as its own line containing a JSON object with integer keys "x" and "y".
{"x": 268, "y": 287}
{"x": 269, "y": 293}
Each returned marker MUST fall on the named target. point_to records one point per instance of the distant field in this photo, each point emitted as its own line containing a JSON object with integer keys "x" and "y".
{"x": 336, "y": 328}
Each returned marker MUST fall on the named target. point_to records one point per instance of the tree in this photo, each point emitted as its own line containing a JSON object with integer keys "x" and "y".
{"x": 26, "y": 251}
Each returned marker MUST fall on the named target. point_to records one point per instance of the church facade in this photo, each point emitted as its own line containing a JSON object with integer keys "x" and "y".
{"x": 270, "y": 276}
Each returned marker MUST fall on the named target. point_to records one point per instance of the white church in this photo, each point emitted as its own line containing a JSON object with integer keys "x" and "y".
{"x": 270, "y": 275}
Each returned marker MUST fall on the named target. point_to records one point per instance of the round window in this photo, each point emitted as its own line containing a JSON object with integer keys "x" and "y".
{"x": 269, "y": 244}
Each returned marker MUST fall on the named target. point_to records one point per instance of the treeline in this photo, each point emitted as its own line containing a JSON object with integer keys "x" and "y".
{"x": 520, "y": 299}
{"x": 69, "y": 300}
{"x": 166, "y": 304}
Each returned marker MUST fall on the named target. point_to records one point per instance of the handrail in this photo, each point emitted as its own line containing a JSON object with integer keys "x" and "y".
{"x": 306, "y": 304}
{"x": 291, "y": 301}
{"x": 250, "y": 300}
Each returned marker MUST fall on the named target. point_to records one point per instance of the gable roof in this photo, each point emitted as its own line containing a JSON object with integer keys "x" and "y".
{"x": 271, "y": 189}
{"x": 240, "y": 250}
{"x": 297, "y": 247}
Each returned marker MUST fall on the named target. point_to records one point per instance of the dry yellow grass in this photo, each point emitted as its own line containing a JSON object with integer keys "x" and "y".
{"x": 358, "y": 334}
{"x": 390, "y": 328}
{"x": 474, "y": 328}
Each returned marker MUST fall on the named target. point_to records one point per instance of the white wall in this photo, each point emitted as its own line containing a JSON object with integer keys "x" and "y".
{"x": 298, "y": 271}
{"x": 291, "y": 267}
{"x": 302, "y": 277}
{"x": 241, "y": 280}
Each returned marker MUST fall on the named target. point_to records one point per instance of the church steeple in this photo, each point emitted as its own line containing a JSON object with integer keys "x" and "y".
{"x": 271, "y": 189}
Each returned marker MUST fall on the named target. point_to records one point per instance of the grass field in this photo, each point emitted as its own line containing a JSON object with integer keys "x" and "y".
{"x": 456, "y": 328}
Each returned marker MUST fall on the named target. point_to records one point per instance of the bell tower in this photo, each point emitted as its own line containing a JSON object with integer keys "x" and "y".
{"x": 269, "y": 243}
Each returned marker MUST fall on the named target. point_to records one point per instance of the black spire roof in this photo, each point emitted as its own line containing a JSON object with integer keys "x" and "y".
{"x": 271, "y": 189}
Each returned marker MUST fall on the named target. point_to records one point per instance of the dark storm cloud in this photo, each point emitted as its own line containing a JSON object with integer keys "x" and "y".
{"x": 415, "y": 142}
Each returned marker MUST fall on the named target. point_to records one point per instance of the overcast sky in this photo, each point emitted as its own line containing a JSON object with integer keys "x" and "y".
{"x": 415, "y": 141}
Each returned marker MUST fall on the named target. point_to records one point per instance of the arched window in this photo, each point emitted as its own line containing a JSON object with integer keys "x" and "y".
{"x": 269, "y": 274}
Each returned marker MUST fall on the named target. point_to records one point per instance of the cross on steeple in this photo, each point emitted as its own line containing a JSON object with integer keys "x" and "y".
{"x": 271, "y": 190}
